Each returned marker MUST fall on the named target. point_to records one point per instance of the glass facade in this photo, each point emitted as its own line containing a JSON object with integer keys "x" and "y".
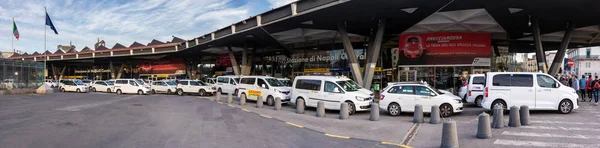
{"x": 21, "y": 74}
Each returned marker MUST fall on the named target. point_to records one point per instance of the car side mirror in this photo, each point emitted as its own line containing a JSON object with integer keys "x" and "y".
{"x": 432, "y": 94}
{"x": 556, "y": 85}
{"x": 336, "y": 90}
{"x": 263, "y": 86}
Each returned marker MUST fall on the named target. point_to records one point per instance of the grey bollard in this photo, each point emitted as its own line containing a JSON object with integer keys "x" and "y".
{"x": 243, "y": 100}
{"x": 216, "y": 96}
{"x": 498, "y": 121}
{"x": 259, "y": 102}
{"x": 344, "y": 111}
{"x": 219, "y": 98}
{"x": 418, "y": 114}
{"x": 229, "y": 98}
{"x": 277, "y": 103}
{"x": 435, "y": 115}
{"x": 484, "y": 130}
{"x": 524, "y": 113}
{"x": 514, "y": 120}
{"x": 374, "y": 112}
{"x": 449, "y": 135}
{"x": 300, "y": 107}
{"x": 320, "y": 109}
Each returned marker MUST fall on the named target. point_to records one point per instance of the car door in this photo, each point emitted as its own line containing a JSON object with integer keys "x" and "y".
{"x": 426, "y": 97}
{"x": 132, "y": 87}
{"x": 546, "y": 96}
{"x": 232, "y": 86}
{"x": 185, "y": 86}
{"x": 309, "y": 90}
{"x": 332, "y": 95}
{"x": 404, "y": 96}
{"x": 522, "y": 91}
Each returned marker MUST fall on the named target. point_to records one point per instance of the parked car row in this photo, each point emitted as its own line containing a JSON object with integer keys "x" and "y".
{"x": 135, "y": 86}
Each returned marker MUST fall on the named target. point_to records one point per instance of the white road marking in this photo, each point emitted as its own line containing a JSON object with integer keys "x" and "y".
{"x": 561, "y": 128}
{"x": 543, "y": 144}
{"x": 562, "y": 122}
{"x": 91, "y": 105}
{"x": 548, "y": 135}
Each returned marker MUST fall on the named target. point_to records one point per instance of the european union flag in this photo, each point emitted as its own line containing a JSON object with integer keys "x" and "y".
{"x": 49, "y": 23}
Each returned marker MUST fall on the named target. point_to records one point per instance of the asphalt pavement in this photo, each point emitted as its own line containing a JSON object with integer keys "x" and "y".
{"x": 108, "y": 120}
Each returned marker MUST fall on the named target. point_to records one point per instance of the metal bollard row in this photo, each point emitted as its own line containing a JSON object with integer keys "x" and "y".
{"x": 498, "y": 121}
{"x": 243, "y": 100}
{"x": 300, "y": 107}
{"x": 277, "y": 103}
{"x": 524, "y": 113}
{"x": 229, "y": 98}
{"x": 484, "y": 129}
{"x": 449, "y": 135}
{"x": 418, "y": 114}
{"x": 216, "y": 96}
{"x": 320, "y": 109}
{"x": 514, "y": 120}
{"x": 374, "y": 112}
{"x": 344, "y": 111}
{"x": 435, "y": 115}
{"x": 259, "y": 102}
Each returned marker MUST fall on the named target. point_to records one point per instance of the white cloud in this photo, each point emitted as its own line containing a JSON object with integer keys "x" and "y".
{"x": 279, "y": 3}
{"x": 115, "y": 21}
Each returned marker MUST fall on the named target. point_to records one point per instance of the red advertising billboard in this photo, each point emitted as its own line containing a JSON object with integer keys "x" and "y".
{"x": 223, "y": 60}
{"x": 163, "y": 66}
{"x": 443, "y": 48}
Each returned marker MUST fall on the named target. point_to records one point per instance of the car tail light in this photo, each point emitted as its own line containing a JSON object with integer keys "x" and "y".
{"x": 469, "y": 92}
{"x": 382, "y": 96}
{"x": 486, "y": 92}
{"x": 464, "y": 84}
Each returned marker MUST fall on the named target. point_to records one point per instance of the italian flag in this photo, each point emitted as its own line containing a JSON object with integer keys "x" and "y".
{"x": 15, "y": 30}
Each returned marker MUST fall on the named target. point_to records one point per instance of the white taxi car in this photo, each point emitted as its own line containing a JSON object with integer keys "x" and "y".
{"x": 403, "y": 96}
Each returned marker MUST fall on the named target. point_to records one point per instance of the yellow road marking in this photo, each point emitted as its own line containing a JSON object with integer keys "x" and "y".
{"x": 337, "y": 136}
{"x": 230, "y": 105}
{"x": 219, "y": 102}
{"x": 245, "y": 110}
{"x": 264, "y": 116}
{"x": 396, "y": 144}
{"x": 293, "y": 124}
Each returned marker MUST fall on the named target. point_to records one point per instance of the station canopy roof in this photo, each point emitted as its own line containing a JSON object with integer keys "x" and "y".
{"x": 316, "y": 22}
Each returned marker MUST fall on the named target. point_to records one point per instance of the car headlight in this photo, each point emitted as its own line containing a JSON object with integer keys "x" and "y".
{"x": 457, "y": 100}
{"x": 361, "y": 98}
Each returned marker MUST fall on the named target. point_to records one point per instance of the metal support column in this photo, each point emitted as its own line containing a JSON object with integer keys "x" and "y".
{"x": 245, "y": 60}
{"x": 374, "y": 56}
{"x": 62, "y": 72}
{"x": 112, "y": 69}
{"x": 539, "y": 50}
{"x": 562, "y": 50}
{"x": 234, "y": 64}
{"x": 120, "y": 71}
{"x": 354, "y": 65}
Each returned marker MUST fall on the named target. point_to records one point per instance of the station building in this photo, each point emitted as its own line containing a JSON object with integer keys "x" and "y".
{"x": 372, "y": 42}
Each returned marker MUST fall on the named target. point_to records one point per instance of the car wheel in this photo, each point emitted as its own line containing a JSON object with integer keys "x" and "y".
{"x": 169, "y": 91}
{"x": 93, "y": 89}
{"x": 108, "y": 90}
{"x": 478, "y": 100}
{"x": 394, "y": 109}
{"x": 140, "y": 92}
{"x": 119, "y": 92}
{"x": 499, "y": 102}
{"x": 351, "y": 108}
{"x": 270, "y": 101}
{"x": 77, "y": 91}
{"x": 565, "y": 106}
{"x": 180, "y": 92}
{"x": 63, "y": 90}
{"x": 446, "y": 110}
{"x": 153, "y": 91}
{"x": 202, "y": 92}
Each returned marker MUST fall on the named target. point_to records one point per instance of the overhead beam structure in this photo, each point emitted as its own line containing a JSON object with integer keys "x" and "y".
{"x": 234, "y": 64}
{"x": 558, "y": 60}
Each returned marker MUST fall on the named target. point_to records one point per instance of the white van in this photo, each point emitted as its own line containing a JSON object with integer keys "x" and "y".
{"x": 473, "y": 91}
{"x": 268, "y": 87}
{"x": 331, "y": 90}
{"x": 227, "y": 84}
{"x": 539, "y": 91}
{"x": 194, "y": 87}
{"x": 130, "y": 86}
{"x": 73, "y": 85}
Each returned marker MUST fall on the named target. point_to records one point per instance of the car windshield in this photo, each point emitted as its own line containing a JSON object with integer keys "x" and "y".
{"x": 78, "y": 82}
{"x": 436, "y": 90}
{"x": 274, "y": 82}
{"x": 354, "y": 84}
{"x": 236, "y": 80}
{"x": 138, "y": 82}
{"x": 86, "y": 81}
{"x": 109, "y": 83}
{"x": 201, "y": 83}
{"x": 286, "y": 82}
{"x": 171, "y": 83}
{"x": 347, "y": 86}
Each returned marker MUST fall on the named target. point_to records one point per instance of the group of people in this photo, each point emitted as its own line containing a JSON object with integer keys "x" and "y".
{"x": 586, "y": 87}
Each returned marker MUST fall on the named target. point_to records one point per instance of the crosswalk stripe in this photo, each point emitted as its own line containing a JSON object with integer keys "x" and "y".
{"x": 542, "y": 144}
{"x": 561, "y": 128}
{"x": 561, "y": 122}
{"x": 548, "y": 135}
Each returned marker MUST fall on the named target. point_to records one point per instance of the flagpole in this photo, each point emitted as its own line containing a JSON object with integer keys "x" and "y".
{"x": 45, "y": 58}
{"x": 12, "y": 41}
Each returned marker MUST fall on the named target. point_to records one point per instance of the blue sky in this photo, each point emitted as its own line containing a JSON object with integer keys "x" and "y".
{"x": 120, "y": 21}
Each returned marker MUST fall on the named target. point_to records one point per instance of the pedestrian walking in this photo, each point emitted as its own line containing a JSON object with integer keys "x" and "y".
{"x": 588, "y": 88}
{"x": 596, "y": 89}
{"x": 564, "y": 82}
{"x": 582, "y": 85}
{"x": 569, "y": 79}
{"x": 575, "y": 82}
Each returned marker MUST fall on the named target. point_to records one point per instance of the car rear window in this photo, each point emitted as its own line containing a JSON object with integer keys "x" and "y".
{"x": 308, "y": 84}
{"x": 478, "y": 80}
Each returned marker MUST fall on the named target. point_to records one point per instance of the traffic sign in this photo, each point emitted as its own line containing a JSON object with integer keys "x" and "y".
{"x": 570, "y": 63}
